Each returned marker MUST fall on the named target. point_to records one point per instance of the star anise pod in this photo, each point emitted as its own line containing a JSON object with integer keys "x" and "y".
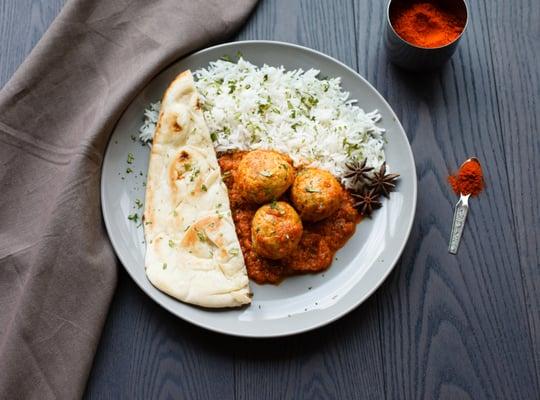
{"x": 358, "y": 171}
{"x": 368, "y": 201}
{"x": 383, "y": 183}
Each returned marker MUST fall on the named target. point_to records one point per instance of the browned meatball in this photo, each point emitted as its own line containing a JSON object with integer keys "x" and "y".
{"x": 264, "y": 175}
{"x": 316, "y": 194}
{"x": 276, "y": 230}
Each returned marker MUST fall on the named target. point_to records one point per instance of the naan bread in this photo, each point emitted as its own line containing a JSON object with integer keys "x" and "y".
{"x": 192, "y": 251}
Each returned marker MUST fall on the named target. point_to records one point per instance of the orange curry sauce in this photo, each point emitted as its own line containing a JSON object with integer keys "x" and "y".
{"x": 319, "y": 242}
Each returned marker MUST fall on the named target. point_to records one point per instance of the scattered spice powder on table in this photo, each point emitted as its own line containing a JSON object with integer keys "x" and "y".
{"x": 469, "y": 179}
{"x": 427, "y": 25}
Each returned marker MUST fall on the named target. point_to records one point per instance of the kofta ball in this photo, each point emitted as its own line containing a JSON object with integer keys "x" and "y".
{"x": 264, "y": 175}
{"x": 316, "y": 194}
{"x": 276, "y": 230}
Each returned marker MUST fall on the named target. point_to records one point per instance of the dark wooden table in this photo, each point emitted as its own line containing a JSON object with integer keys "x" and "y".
{"x": 441, "y": 326}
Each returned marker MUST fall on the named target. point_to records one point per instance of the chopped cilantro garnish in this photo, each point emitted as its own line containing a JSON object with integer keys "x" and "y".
{"x": 130, "y": 158}
{"x": 253, "y": 138}
{"x": 309, "y": 102}
{"x": 171, "y": 243}
{"x": 133, "y": 217}
{"x": 128, "y": 170}
{"x": 311, "y": 190}
{"x": 213, "y": 136}
{"x": 138, "y": 203}
{"x": 164, "y": 265}
{"x": 263, "y": 108}
{"x": 326, "y": 86}
{"x": 204, "y": 188}
{"x": 194, "y": 175}
{"x": 201, "y": 235}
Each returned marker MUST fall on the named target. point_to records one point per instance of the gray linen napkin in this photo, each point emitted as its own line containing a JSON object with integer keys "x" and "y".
{"x": 57, "y": 268}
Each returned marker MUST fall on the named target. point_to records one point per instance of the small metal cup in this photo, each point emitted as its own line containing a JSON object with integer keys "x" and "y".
{"x": 416, "y": 58}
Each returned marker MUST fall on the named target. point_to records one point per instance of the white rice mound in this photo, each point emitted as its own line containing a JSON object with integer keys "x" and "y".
{"x": 312, "y": 120}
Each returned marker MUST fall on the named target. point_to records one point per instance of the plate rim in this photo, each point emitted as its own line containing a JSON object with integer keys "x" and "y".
{"x": 292, "y": 331}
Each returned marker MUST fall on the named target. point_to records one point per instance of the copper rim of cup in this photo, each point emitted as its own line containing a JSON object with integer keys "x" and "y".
{"x": 389, "y": 21}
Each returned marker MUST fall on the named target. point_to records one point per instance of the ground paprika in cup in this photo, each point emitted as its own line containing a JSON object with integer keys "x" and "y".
{"x": 427, "y": 24}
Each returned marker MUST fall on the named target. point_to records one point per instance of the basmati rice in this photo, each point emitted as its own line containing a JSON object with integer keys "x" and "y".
{"x": 312, "y": 120}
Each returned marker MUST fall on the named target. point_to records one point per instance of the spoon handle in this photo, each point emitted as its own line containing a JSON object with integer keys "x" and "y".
{"x": 460, "y": 215}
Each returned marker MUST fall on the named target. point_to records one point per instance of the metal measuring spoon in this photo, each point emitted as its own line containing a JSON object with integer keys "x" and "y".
{"x": 460, "y": 215}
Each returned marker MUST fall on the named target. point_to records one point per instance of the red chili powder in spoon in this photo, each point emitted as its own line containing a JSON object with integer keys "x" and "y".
{"x": 427, "y": 25}
{"x": 469, "y": 179}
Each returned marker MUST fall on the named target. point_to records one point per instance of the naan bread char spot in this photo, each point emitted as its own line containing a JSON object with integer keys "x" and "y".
{"x": 192, "y": 251}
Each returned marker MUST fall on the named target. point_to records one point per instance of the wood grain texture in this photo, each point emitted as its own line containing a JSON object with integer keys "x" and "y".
{"x": 147, "y": 353}
{"x": 442, "y": 326}
{"x": 339, "y": 361}
{"x": 514, "y": 33}
{"x": 452, "y": 326}
{"x": 22, "y": 23}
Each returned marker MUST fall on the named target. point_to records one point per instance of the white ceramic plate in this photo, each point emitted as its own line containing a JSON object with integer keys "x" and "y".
{"x": 300, "y": 303}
